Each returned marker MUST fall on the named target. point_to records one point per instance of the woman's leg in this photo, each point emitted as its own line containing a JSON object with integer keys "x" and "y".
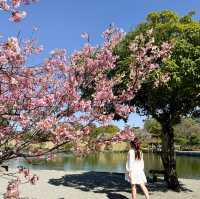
{"x": 145, "y": 190}
{"x": 133, "y": 191}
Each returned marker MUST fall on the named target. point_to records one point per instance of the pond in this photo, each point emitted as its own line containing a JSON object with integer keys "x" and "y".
{"x": 187, "y": 166}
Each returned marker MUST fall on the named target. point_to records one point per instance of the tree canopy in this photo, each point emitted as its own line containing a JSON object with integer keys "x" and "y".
{"x": 152, "y": 126}
{"x": 174, "y": 87}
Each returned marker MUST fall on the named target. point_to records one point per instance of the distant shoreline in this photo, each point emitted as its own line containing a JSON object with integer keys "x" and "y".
{"x": 181, "y": 153}
{"x": 188, "y": 153}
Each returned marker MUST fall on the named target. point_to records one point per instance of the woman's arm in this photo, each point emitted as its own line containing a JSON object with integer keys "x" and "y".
{"x": 142, "y": 161}
{"x": 131, "y": 159}
{"x": 128, "y": 162}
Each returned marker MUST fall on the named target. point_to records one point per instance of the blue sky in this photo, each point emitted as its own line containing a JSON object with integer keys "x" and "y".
{"x": 61, "y": 22}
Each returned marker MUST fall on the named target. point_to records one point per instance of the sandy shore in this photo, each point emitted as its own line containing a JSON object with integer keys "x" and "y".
{"x": 92, "y": 185}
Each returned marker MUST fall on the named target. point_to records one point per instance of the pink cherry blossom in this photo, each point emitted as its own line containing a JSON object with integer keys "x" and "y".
{"x": 85, "y": 36}
{"x": 4, "y": 6}
{"x": 16, "y": 3}
{"x": 17, "y": 16}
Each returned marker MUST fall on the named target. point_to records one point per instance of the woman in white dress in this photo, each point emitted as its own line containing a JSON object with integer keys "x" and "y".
{"x": 135, "y": 169}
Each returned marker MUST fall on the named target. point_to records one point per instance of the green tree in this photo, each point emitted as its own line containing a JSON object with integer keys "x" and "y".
{"x": 154, "y": 129}
{"x": 187, "y": 133}
{"x": 106, "y": 131}
{"x": 152, "y": 126}
{"x": 167, "y": 99}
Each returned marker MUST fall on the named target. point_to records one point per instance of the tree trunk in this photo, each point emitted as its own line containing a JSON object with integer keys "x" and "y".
{"x": 169, "y": 158}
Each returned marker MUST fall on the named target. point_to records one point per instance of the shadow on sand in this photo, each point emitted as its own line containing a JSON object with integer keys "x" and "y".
{"x": 103, "y": 182}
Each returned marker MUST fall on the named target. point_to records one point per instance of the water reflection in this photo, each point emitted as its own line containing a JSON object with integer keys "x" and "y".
{"x": 187, "y": 167}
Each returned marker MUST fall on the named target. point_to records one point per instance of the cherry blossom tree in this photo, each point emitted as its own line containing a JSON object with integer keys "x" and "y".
{"x": 65, "y": 91}
{"x": 46, "y": 100}
{"x": 61, "y": 98}
{"x": 50, "y": 99}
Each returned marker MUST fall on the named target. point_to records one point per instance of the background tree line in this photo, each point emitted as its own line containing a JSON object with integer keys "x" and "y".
{"x": 187, "y": 132}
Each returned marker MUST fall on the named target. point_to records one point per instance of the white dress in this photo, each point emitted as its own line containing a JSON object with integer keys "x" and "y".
{"x": 135, "y": 169}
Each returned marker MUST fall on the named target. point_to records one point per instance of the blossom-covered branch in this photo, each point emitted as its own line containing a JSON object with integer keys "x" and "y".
{"x": 13, "y": 7}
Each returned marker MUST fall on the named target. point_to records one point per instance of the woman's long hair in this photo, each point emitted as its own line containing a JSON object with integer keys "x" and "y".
{"x": 135, "y": 144}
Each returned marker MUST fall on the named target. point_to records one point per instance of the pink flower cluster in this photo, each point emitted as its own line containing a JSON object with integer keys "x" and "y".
{"x": 13, "y": 186}
{"x": 12, "y": 6}
{"x": 32, "y": 179}
{"x": 12, "y": 189}
{"x": 31, "y": 47}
